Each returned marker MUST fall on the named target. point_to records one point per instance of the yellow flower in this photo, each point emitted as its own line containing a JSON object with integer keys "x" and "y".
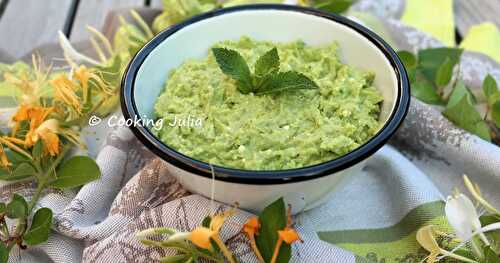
{"x": 40, "y": 128}
{"x": 4, "y": 161}
{"x": 251, "y": 228}
{"x": 65, "y": 91}
{"x": 47, "y": 131}
{"x": 83, "y": 75}
{"x": 425, "y": 237}
{"x": 201, "y": 236}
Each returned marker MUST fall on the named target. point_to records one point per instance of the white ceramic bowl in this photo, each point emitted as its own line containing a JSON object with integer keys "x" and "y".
{"x": 305, "y": 187}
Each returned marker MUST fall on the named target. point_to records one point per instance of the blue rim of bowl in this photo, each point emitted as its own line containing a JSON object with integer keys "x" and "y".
{"x": 241, "y": 176}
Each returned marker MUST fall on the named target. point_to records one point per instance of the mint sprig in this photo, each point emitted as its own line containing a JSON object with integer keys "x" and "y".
{"x": 266, "y": 78}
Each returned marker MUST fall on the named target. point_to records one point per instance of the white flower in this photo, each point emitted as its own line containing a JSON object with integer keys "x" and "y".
{"x": 462, "y": 215}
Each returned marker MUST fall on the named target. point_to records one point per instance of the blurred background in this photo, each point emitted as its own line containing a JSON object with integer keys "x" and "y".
{"x": 27, "y": 24}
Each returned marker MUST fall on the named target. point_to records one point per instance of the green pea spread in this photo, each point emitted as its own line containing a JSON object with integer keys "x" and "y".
{"x": 286, "y": 130}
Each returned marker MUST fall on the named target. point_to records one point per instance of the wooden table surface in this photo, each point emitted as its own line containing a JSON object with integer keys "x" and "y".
{"x": 26, "y": 24}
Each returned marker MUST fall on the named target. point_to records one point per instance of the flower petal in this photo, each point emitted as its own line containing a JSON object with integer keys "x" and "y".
{"x": 462, "y": 215}
{"x": 201, "y": 237}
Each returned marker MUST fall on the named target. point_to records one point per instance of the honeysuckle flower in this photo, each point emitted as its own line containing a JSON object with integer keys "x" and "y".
{"x": 287, "y": 235}
{"x": 251, "y": 228}
{"x": 462, "y": 217}
{"x": 4, "y": 161}
{"x": 72, "y": 56}
{"x": 201, "y": 236}
{"x": 65, "y": 92}
{"x": 83, "y": 75}
{"x": 39, "y": 128}
{"x": 426, "y": 238}
{"x": 476, "y": 193}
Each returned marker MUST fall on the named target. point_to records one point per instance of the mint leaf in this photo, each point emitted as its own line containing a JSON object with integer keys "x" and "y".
{"x": 17, "y": 208}
{"x": 269, "y": 63}
{"x": 431, "y": 59}
{"x": 234, "y": 65}
{"x": 489, "y": 86}
{"x": 75, "y": 172}
{"x": 272, "y": 219}
{"x": 40, "y": 227}
{"x": 332, "y": 6}
{"x": 464, "y": 115}
{"x": 289, "y": 80}
{"x": 445, "y": 72}
{"x": 408, "y": 59}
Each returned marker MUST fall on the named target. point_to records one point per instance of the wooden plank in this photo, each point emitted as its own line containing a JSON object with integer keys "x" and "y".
{"x": 26, "y": 24}
{"x": 469, "y": 13}
{"x": 156, "y": 4}
{"x": 93, "y": 13}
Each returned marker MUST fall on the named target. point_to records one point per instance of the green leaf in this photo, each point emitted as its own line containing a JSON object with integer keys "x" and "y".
{"x": 464, "y": 115}
{"x": 444, "y": 73}
{"x": 38, "y": 150}
{"x": 269, "y": 63}
{"x": 458, "y": 92}
{"x": 206, "y": 221}
{"x": 17, "y": 208}
{"x": 289, "y": 80}
{"x": 4, "y": 253}
{"x": 495, "y": 112}
{"x": 408, "y": 59}
{"x": 181, "y": 258}
{"x": 234, "y": 65}
{"x": 332, "y": 6}
{"x": 75, "y": 172}
{"x": 3, "y": 208}
{"x": 489, "y": 86}
{"x": 490, "y": 256}
{"x": 430, "y": 60}
{"x": 24, "y": 169}
{"x": 273, "y": 218}
{"x": 426, "y": 92}
{"x": 40, "y": 227}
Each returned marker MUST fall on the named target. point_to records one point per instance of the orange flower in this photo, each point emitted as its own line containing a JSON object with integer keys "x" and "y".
{"x": 201, "y": 236}
{"x": 287, "y": 235}
{"x": 40, "y": 128}
{"x": 251, "y": 228}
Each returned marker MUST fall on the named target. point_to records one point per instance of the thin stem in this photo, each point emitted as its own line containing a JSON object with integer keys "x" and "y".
{"x": 276, "y": 250}
{"x": 224, "y": 249}
{"x": 455, "y": 256}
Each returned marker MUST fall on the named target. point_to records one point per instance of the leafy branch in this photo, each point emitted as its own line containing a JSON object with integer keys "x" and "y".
{"x": 431, "y": 76}
{"x": 52, "y": 109}
{"x": 270, "y": 234}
